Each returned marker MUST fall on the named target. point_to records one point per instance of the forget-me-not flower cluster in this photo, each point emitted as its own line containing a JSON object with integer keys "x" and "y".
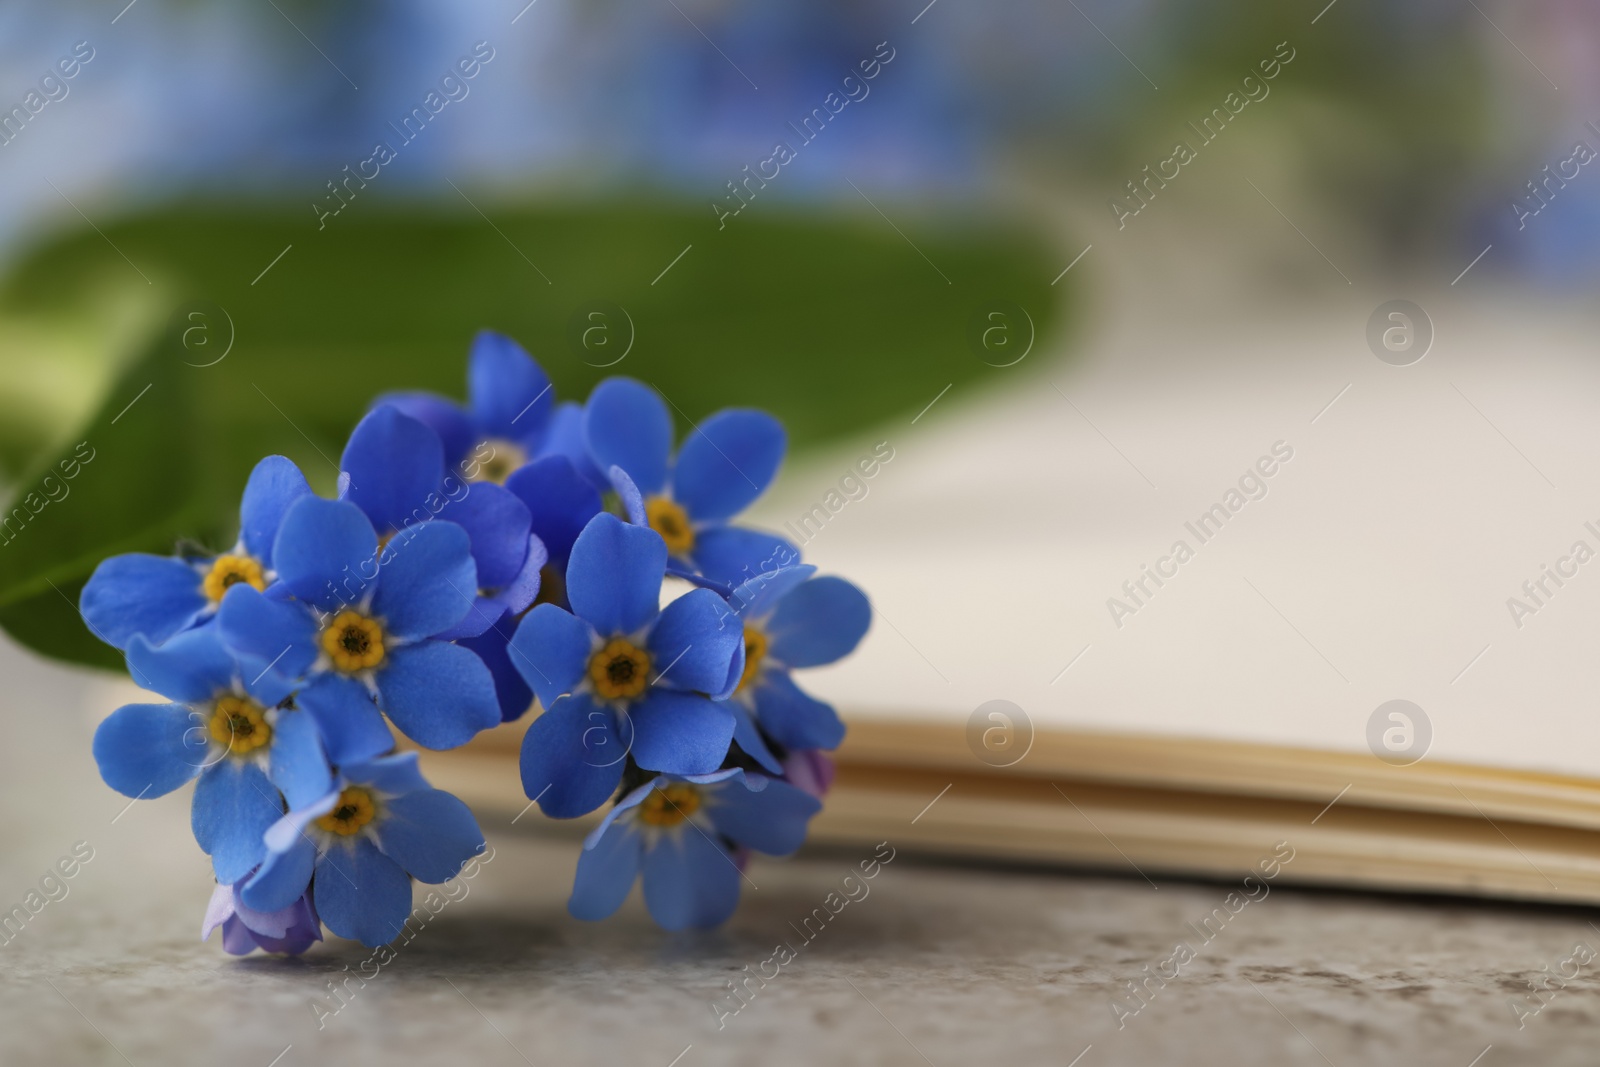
{"x": 475, "y": 561}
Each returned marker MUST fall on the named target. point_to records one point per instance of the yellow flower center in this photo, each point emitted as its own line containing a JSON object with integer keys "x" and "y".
{"x": 353, "y": 642}
{"x": 672, "y": 523}
{"x": 755, "y": 649}
{"x": 620, "y": 670}
{"x": 355, "y": 808}
{"x": 497, "y": 460}
{"x": 669, "y": 805}
{"x": 227, "y": 572}
{"x": 240, "y": 724}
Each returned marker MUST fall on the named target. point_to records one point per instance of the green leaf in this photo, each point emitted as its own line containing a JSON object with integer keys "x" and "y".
{"x": 130, "y": 482}
{"x": 258, "y": 333}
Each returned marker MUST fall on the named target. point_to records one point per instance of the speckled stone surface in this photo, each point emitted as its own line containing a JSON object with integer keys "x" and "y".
{"x": 940, "y": 963}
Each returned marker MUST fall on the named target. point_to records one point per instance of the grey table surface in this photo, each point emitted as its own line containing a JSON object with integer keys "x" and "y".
{"x": 940, "y": 963}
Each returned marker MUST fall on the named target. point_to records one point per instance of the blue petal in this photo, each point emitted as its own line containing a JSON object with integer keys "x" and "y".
{"x": 792, "y": 718}
{"x": 510, "y": 393}
{"x": 735, "y": 554}
{"x": 497, "y": 523}
{"x": 513, "y": 693}
{"x": 148, "y": 750}
{"x": 614, "y": 575}
{"x": 273, "y": 486}
{"x": 523, "y": 588}
{"x": 264, "y": 684}
{"x": 431, "y": 834}
{"x": 352, "y": 727}
{"x": 267, "y": 633}
{"x": 395, "y": 463}
{"x": 513, "y": 600}
{"x": 560, "y": 501}
{"x": 713, "y": 777}
{"x": 234, "y": 806}
{"x": 771, "y": 819}
{"x": 443, "y": 416}
{"x": 157, "y": 596}
{"x": 394, "y": 775}
{"x": 680, "y": 733}
{"x": 484, "y": 613}
{"x": 428, "y": 581}
{"x": 572, "y": 758}
{"x": 189, "y": 668}
{"x": 551, "y": 650}
{"x": 567, "y": 437}
{"x": 277, "y": 925}
{"x": 819, "y": 622}
{"x": 439, "y": 695}
{"x": 298, "y": 766}
{"x": 628, "y": 493}
{"x": 749, "y": 738}
{"x": 291, "y": 827}
{"x": 689, "y": 881}
{"x": 726, "y": 462}
{"x": 282, "y": 877}
{"x": 607, "y": 867}
{"x": 627, "y": 424}
{"x": 621, "y": 808}
{"x": 362, "y": 894}
{"x": 694, "y": 643}
{"x": 735, "y": 674}
{"x": 326, "y": 552}
{"x": 755, "y": 598}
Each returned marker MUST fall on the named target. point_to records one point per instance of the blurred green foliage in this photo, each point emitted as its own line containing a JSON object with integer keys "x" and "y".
{"x": 1386, "y": 114}
{"x": 831, "y": 323}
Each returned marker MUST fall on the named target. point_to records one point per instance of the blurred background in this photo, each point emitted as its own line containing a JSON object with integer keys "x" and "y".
{"x": 1401, "y": 132}
{"x": 1414, "y": 123}
{"x": 249, "y": 218}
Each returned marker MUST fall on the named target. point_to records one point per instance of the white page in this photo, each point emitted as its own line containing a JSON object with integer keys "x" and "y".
{"x": 1412, "y": 509}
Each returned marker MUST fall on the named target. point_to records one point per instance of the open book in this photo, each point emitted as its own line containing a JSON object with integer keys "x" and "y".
{"x": 1241, "y": 582}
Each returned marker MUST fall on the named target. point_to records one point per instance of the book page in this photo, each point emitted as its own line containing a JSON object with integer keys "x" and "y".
{"x": 1234, "y": 520}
